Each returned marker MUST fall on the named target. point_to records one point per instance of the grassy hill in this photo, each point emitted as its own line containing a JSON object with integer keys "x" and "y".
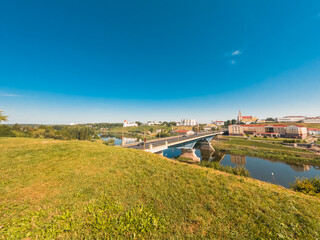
{"x": 78, "y": 189}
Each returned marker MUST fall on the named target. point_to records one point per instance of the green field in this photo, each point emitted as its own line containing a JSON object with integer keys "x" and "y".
{"x": 53, "y": 189}
{"x": 266, "y": 148}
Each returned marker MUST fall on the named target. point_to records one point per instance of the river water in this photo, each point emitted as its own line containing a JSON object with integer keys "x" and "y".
{"x": 259, "y": 168}
{"x": 118, "y": 141}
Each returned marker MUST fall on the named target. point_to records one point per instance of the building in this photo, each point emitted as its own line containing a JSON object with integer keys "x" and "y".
{"x": 246, "y": 119}
{"x": 129, "y": 124}
{"x": 218, "y": 123}
{"x": 185, "y": 132}
{"x": 187, "y": 122}
{"x": 209, "y": 127}
{"x": 311, "y": 120}
{"x": 236, "y": 130}
{"x": 292, "y": 131}
{"x": 152, "y": 123}
{"x": 314, "y": 131}
{"x": 291, "y": 119}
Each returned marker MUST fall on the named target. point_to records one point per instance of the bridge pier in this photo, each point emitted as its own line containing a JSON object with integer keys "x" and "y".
{"x": 190, "y": 154}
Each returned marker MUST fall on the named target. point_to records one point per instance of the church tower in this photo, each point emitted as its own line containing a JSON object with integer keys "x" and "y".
{"x": 239, "y": 118}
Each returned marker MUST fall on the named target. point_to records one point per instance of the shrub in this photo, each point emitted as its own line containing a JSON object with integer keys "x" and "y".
{"x": 163, "y": 134}
{"x": 241, "y": 171}
{"x": 6, "y": 131}
{"x": 110, "y": 142}
{"x": 310, "y": 186}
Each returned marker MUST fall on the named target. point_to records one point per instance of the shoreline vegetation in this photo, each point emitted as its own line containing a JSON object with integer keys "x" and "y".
{"x": 271, "y": 149}
{"x": 76, "y": 189}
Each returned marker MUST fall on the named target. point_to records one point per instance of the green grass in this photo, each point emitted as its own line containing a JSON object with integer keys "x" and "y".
{"x": 266, "y": 149}
{"x": 137, "y": 129}
{"x": 52, "y": 189}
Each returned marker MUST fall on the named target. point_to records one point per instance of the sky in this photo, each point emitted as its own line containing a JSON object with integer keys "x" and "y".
{"x": 64, "y": 61}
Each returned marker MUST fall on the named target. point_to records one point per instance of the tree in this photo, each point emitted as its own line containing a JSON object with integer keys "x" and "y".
{"x": 270, "y": 119}
{"x": 233, "y": 121}
{"x": 227, "y": 123}
{"x": 3, "y": 117}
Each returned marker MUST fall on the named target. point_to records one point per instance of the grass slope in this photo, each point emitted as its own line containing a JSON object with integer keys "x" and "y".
{"x": 72, "y": 189}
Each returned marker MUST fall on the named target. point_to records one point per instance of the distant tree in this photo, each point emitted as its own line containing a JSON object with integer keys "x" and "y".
{"x": 227, "y": 123}
{"x": 5, "y": 131}
{"x": 139, "y": 123}
{"x": 233, "y": 121}
{"x": 16, "y": 127}
{"x": 3, "y": 118}
{"x": 269, "y": 119}
{"x": 172, "y": 123}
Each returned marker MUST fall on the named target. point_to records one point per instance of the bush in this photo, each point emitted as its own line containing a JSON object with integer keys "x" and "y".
{"x": 292, "y": 141}
{"x": 110, "y": 142}
{"x": 163, "y": 135}
{"x": 310, "y": 186}
{"x": 241, "y": 171}
{"x": 6, "y": 131}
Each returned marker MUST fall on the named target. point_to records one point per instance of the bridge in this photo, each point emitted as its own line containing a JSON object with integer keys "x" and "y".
{"x": 185, "y": 142}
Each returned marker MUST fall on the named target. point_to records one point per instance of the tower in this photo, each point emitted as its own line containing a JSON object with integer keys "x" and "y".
{"x": 239, "y": 118}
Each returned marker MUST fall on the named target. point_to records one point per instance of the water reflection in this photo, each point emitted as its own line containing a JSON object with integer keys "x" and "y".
{"x": 119, "y": 139}
{"x": 238, "y": 159}
{"x": 261, "y": 169}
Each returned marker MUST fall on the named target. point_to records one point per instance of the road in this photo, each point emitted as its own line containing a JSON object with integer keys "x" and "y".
{"x": 161, "y": 142}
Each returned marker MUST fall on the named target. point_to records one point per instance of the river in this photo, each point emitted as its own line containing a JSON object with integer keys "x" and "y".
{"x": 284, "y": 173}
{"x": 259, "y": 168}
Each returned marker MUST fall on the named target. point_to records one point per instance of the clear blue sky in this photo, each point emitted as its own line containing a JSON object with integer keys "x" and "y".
{"x": 107, "y": 61}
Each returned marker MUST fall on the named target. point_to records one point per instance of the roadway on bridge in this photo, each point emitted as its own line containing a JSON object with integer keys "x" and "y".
{"x": 162, "y": 142}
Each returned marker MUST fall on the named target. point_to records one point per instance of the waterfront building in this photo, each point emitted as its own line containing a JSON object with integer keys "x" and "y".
{"x": 246, "y": 119}
{"x": 129, "y": 124}
{"x": 292, "y": 131}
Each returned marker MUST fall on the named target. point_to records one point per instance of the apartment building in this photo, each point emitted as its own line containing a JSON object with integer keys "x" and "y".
{"x": 292, "y": 131}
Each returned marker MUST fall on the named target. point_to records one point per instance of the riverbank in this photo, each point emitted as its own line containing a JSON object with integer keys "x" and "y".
{"x": 76, "y": 189}
{"x": 265, "y": 148}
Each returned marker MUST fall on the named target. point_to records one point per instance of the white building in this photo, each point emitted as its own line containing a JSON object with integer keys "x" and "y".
{"x": 314, "y": 131}
{"x": 152, "y": 123}
{"x": 187, "y": 122}
{"x": 311, "y": 120}
{"x": 291, "y": 119}
{"x": 218, "y": 123}
{"x": 129, "y": 124}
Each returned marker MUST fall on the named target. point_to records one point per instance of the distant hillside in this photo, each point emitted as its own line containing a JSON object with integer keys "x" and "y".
{"x": 80, "y": 189}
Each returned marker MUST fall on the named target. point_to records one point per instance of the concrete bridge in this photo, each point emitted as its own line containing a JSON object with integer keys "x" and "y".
{"x": 183, "y": 142}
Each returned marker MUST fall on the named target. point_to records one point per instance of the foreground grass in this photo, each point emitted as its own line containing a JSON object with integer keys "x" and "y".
{"x": 266, "y": 149}
{"x": 72, "y": 189}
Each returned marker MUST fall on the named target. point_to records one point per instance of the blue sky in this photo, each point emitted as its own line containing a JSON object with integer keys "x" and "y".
{"x": 107, "y": 61}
